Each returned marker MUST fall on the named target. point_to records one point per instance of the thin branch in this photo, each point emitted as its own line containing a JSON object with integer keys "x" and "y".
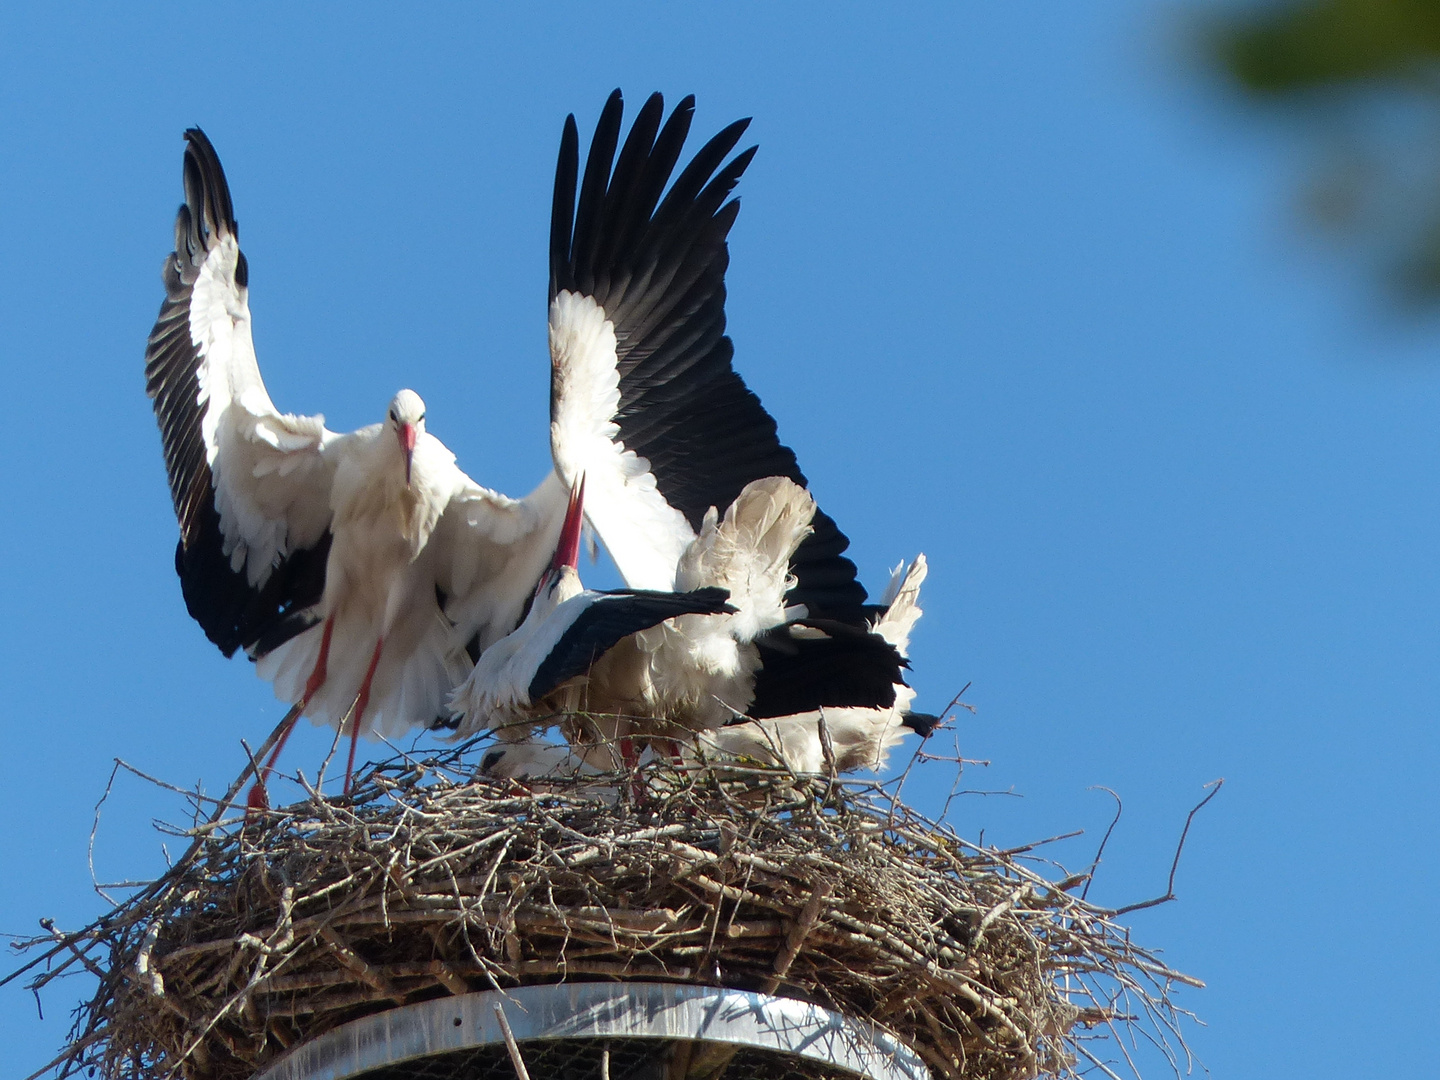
{"x": 1214, "y": 786}
{"x": 510, "y": 1043}
{"x": 1095, "y": 862}
{"x": 94, "y": 828}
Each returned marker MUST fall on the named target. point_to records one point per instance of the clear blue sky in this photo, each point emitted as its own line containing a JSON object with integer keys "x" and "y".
{"x": 1018, "y": 285}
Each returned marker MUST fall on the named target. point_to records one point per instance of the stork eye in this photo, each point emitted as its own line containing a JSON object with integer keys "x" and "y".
{"x": 422, "y": 417}
{"x": 394, "y": 417}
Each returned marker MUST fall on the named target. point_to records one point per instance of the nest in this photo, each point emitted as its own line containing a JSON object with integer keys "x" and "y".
{"x": 425, "y": 882}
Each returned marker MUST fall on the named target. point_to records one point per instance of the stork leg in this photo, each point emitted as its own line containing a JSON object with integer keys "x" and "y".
{"x": 630, "y": 759}
{"x": 257, "y": 798}
{"x": 360, "y": 703}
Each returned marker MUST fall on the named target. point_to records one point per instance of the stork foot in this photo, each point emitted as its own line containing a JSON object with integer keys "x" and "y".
{"x": 256, "y": 800}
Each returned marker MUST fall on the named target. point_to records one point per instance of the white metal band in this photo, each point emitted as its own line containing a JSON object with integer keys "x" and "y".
{"x": 629, "y": 1010}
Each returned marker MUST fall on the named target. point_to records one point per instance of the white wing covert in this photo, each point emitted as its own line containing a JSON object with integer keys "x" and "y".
{"x": 250, "y": 484}
{"x": 487, "y": 553}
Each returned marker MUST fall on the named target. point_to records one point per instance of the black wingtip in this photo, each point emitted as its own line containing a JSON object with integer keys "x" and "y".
{"x": 562, "y": 210}
{"x": 207, "y": 192}
{"x": 921, "y": 723}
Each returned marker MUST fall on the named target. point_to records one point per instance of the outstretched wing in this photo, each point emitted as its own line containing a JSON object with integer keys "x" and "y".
{"x": 644, "y": 400}
{"x": 609, "y": 618}
{"x": 250, "y": 485}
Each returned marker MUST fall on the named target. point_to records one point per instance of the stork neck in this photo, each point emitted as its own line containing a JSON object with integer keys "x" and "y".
{"x": 568, "y": 585}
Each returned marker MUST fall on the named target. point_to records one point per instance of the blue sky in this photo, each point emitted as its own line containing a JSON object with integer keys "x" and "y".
{"x": 1022, "y": 289}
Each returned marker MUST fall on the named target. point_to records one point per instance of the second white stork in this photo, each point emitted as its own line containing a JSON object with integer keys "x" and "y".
{"x": 647, "y": 660}
{"x": 646, "y": 403}
{"x": 842, "y": 739}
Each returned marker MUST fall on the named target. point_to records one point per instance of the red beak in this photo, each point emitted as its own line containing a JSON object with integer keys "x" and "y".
{"x": 407, "y": 443}
{"x": 568, "y": 551}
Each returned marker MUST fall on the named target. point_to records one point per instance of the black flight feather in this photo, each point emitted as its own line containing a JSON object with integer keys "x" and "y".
{"x": 613, "y": 618}
{"x": 849, "y": 667}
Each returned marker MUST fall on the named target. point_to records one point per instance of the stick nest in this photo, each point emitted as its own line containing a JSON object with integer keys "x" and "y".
{"x": 425, "y": 883}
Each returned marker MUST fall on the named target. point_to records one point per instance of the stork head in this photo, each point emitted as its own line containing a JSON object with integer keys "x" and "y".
{"x": 407, "y": 420}
{"x": 567, "y": 551}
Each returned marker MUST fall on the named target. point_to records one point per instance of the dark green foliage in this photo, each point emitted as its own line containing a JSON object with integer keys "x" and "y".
{"x": 1362, "y": 79}
{"x": 1297, "y": 47}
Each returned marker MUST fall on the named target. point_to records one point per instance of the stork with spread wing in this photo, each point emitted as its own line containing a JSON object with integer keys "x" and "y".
{"x": 647, "y": 406}
{"x": 646, "y": 403}
{"x": 354, "y": 569}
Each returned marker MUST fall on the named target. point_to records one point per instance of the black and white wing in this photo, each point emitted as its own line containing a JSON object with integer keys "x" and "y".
{"x": 602, "y": 620}
{"x": 644, "y": 400}
{"x": 250, "y": 484}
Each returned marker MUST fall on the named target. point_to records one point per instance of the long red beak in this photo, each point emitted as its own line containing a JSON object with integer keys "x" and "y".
{"x": 568, "y": 551}
{"x": 407, "y": 443}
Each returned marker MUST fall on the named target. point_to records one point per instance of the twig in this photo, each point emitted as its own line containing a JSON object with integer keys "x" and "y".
{"x": 1095, "y": 862}
{"x": 1215, "y": 786}
{"x": 795, "y": 939}
{"x": 68, "y": 941}
{"x": 94, "y": 828}
{"x": 510, "y": 1043}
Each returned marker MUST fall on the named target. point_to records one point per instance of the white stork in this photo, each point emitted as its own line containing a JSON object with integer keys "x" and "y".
{"x": 858, "y": 738}
{"x": 647, "y": 405}
{"x": 331, "y": 559}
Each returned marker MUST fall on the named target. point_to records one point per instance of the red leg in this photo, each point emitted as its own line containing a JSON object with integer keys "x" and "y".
{"x": 257, "y": 799}
{"x": 360, "y": 703}
{"x": 317, "y": 677}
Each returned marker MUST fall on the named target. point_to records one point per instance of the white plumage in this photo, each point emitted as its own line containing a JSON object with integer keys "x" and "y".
{"x": 642, "y": 531}
{"x": 701, "y": 670}
{"x": 858, "y": 738}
